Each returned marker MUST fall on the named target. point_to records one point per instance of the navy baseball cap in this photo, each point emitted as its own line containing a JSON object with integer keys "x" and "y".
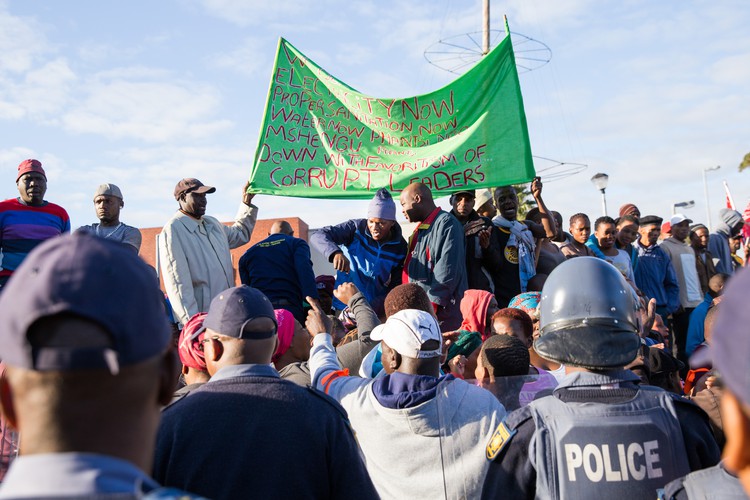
{"x": 90, "y": 278}
{"x": 234, "y": 308}
{"x": 730, "y": 342}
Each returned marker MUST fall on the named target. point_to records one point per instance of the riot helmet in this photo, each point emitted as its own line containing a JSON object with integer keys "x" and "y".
{"x": 588, "y": 316}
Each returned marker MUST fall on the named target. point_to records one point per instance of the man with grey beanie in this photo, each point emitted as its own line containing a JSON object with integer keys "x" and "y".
{"x": 367, "y": 252}
{"x": 108, "y": 202}
{"x": 718, "y": 242}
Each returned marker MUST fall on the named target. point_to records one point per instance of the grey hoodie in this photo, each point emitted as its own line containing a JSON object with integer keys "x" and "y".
{"x": 433, "y": 450}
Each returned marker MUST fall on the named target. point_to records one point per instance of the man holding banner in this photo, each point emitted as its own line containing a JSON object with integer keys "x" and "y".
{"x": 437, "y": 259}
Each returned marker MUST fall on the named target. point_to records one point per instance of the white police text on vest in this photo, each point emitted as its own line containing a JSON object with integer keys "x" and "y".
{"x": 626, "y": 462}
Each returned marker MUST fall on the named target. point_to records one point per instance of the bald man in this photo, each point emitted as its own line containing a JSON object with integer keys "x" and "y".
{"x": 436, "y": 260}
{"x": 281, "y": 268}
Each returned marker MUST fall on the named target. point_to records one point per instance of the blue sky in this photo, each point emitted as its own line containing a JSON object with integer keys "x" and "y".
{"x": 143, "y": 93}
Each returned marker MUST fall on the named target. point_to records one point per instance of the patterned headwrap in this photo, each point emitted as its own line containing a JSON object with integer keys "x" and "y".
{"x": 528, "y": 302}
{"x": 189, "y": 346}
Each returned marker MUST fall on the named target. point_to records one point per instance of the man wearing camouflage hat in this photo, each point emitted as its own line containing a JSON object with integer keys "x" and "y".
{"x": 108, "y": 202}
{"x": 601, "y": 434}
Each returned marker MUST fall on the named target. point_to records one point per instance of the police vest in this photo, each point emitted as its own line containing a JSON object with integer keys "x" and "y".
{"x": 714, "y": 482}
{"x": 596, "y": 450}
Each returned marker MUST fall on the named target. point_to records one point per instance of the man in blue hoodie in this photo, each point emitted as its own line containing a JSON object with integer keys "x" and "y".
{"x": 718, "y": 242}
{"x": 655, "y": 275}
{"x": 367, "y": 252}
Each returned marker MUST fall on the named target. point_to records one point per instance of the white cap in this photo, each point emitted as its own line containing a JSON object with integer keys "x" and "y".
{"x": 677, "y": 218}
{"x": 406, "y": 332}
{"x": 482, "y": 197}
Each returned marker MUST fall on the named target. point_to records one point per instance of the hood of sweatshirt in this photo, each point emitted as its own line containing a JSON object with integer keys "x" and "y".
{"x": 430, "y": 405}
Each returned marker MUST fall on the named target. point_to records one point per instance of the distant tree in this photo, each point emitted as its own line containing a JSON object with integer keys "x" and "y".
{"x": 745, "y": 162}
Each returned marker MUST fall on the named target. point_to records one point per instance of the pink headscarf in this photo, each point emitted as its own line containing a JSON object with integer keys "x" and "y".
{"x": 285, "y": 319}
{"x": 474, "y": 307}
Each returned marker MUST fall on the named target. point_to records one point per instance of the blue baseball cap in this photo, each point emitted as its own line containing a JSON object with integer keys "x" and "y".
{"x": 730, "y": 342}
{"x": 91, "y": 278}
{"x": 234, "y": 308}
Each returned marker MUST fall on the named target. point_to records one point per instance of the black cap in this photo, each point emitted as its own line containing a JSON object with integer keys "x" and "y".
{"x": 648, "y": 220}
{"x": 234, "y": 308}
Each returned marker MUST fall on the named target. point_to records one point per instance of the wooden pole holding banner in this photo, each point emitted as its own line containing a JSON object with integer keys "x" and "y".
{"x": 486, "y": 27}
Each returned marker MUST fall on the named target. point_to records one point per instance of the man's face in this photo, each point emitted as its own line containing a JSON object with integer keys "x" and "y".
{"x": 627, "y": 234}
{"x": 32, "y": 186}
{"x": 699, "y": 238}
{"x": 734, "y": 244}
{"x": 410, "y": 205}
{"x": 680, "y": 231}
{"x": 605, "y": 234}
{"x": 649, "y": 234}
{"x": 194, "y": 203}
{"x": 463, "y": 204}
{"x": 107, "y": 208}
{"x": 300, "y": 342}
{"x": 738, "y": 227}
{"x": 581, "y": 230}
{"x": 506, "y": 202}
{"x": 380, "y": 229}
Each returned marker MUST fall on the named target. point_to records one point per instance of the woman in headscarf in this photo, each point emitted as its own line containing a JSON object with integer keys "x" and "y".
{"x": 293, "y": 350}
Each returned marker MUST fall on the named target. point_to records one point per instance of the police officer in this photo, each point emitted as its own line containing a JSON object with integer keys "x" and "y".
{"x": 730, "y": 351}
{"x": 601, "y": 434}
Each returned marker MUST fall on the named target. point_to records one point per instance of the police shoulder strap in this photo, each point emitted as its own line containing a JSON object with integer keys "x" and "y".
{"x": 506, "y": 430}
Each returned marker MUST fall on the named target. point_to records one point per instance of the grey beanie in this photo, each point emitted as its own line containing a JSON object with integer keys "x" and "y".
{"x": 382, "y": 206}
{"x": 730, "y": 217}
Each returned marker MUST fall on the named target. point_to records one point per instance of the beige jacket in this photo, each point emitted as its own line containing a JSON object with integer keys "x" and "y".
{"x": 195, "y": 261}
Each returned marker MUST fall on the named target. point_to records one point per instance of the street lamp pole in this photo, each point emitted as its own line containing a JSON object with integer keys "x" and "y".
{"x": 600, "y": 182}
{"x": 705, "y": 192}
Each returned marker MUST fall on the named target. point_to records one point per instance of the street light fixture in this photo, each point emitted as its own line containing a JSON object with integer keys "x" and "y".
{"x": 682, "y": 204}
{"x": 600, "y": 182}
{"x": 705, "y": 192}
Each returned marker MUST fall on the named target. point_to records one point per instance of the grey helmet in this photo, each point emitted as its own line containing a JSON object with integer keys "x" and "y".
{"x": 588, "y": 316}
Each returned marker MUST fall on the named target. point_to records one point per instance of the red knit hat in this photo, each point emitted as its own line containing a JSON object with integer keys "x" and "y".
{"x": 30, "y": 165}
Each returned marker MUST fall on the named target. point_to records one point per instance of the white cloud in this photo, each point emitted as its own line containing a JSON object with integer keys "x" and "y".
{"x": 251, "y": 58}
{"x": 255, "y": 12}
{"x": 150, "y": 111}
{"x": 22, "y": 41}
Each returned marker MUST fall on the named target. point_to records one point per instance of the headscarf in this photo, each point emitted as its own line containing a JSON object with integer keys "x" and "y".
{"x": 466, "y": 344}
{"x": 285, "y": 320}
{"x": 528, "y": 302}
{"x": 189, "y": 343}
{"x": 474, "y": 307}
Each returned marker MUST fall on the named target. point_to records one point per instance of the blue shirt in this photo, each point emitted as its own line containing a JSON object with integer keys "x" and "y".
{"x": 73, "y": 475}
{"x": 696, "y": 332}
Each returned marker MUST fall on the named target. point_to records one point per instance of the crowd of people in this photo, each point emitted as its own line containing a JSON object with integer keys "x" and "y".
{"x": 482, "y": 356}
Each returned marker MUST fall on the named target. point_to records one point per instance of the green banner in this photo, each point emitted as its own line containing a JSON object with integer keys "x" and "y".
{"x": 322, "y": 139}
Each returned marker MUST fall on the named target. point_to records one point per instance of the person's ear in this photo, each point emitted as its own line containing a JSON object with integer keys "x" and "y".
{"x": 213, "y": 350}
{"x": 170, "y": 369}
{"x": 122, "y": 204}
{"x": 736, "y": 455}
{"x": 480, "y": 372}
{"x": 6, "y": 402}
{"x": 396, "y": 360}
{"x": 185, "y": 370}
